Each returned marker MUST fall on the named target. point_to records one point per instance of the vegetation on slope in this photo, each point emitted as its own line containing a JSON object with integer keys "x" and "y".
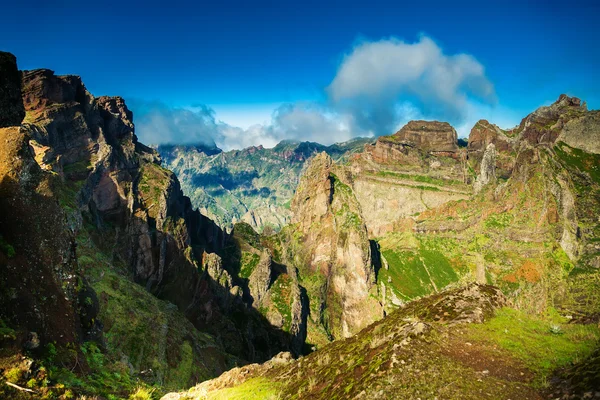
{"x": 434, "y": 347}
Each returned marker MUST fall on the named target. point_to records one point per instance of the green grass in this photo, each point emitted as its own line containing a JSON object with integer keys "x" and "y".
{"x": 281, "y": 296}
{"x": 145, "y": 331}
{"x": 256, "y": 389}
{"x": 541, "y": 344}
{"x": 7, "y": 248}
{"x": 498, "y": 221}
{"x": 416, "y": 273}
{"x": 349, "y": 219}
{"x": 248, "y": 263}
{"x": 79, "y": 167}
{"x": 245, "y": 232}
{"x": 583, "y": 161}
{"x": 419, "y": 178}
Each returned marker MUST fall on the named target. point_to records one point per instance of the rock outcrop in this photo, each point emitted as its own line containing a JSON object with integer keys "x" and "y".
{"x": 261, "y": 277}
{"x": 481, "y": 136}
{"x": 119, "y": 192}
{"x": 428, "y": 136}
{"x": 335, "y": 246}
{"x": 487, "y": 171}
{"x": 544, "y": 125}
{"x": 11, "y": 106}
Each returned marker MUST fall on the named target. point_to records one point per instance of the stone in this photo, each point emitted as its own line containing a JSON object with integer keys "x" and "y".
{"x": 335, "y": 239}
{"x": 487, "y": 172}
{"x": 429, "y": 136}
{"x": 12, "y": 111}
{"x": 33, "y": 341}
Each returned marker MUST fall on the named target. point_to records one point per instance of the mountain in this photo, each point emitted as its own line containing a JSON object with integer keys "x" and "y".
{"x": 410, "y": 266}
{"x": 254, "y": 185}
{"x": 458, "y": 344}
{"x": 513, "y": 208}
{"x": 109, "y": 278}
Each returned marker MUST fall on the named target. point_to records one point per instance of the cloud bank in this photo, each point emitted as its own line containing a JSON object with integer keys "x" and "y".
{"x": 378, "y": 87}
{"x": 158, "y": 123}
{"x": 375, "y": 77}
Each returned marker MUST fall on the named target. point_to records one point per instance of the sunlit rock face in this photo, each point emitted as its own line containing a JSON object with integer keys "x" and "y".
{"x": 336, "y": 245}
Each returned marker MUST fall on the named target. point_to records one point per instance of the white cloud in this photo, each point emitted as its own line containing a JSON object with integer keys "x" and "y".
{"x": 158, "y": 123}
{"x": 375, "y": 76}
{"x": 379, "y": 86}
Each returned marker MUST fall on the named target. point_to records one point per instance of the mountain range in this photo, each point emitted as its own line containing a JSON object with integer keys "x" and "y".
{"x": 414, "y": 265}
{"x": 254, "y": 185}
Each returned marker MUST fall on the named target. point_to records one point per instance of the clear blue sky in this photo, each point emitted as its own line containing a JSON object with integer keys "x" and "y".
{"x": 240, "y": 56}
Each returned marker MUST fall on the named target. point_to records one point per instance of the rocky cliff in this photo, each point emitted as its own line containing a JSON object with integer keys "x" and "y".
{"x": 327, "y": 242}
{"x": 96, "y": 206}
{"x": 11, "y": 106}
{"x": 428, "y": 136}
{"x": 418, "y": 168}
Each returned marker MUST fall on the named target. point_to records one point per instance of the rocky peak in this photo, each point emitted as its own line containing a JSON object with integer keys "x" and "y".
{"x": 335, "y": 241}
{"x": 118, "y": 118}
{"x": 481, "y": 137}
{"x": 430, "y": 136}
{"x": 42, "y": 88}
{"x": 544, "y": 125}
{"x": 12, "y": 111}
{"x": 314, "y": 193}
{"x": 484, "y": 133}
{"x": 564, "y": 100}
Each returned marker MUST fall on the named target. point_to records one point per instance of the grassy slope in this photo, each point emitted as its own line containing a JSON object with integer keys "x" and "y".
{"x": 510, "y": 355}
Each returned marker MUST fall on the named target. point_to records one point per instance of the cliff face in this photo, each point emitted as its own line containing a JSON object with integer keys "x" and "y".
{"x": 418, "y": 168}
{"x": 11, "y": 106}
{"x": 115, "y": 214}
{"x": 40, "y": 279}
{"x": 429, "y": 136}
{"x": 336, "y": 256}
{"x": 529, "y": 228}
{"x": 481, "y": 136}
{"x": 134, "y": 203}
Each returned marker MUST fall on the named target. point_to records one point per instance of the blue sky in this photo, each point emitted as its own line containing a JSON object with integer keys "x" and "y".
{"x": 305, "y": 70}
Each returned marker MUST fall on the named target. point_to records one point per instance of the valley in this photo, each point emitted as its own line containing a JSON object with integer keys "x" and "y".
{"x": 413, "y": 265}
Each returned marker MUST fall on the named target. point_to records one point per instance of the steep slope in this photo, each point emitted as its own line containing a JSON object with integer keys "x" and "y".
{"x": 84, "y": 201}
{"x": 459, "y": 344}
{"x": 418, "y": 168}
{"x": 327, "y": 243}
{"x": 253, "y": 185}
{"x": 532, "y": 233}
{"x": 134, "y": 210}
{"x": 72, "y": 317}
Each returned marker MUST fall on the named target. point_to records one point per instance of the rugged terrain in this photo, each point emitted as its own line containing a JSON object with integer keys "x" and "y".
{"x": 410, "y": 256}
{"x": 459, "y": 344}
{"x": 120, "y": 280}
{"x": 513, "y": 208}
{"x": 253, "y": 185}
